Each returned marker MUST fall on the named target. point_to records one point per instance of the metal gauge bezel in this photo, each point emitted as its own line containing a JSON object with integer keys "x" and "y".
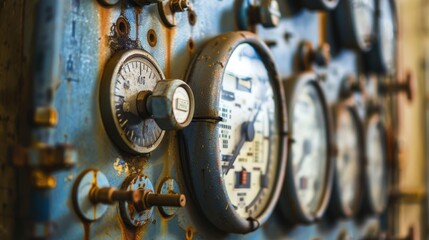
{"x": 346, "y": 28}
{"x": 320, "y": 4}
{"x": 374, "y": 59}
{"x": 368, "y": 204}
{"x": 290, "y": 203}
{"x": 107, "y": 104}
{"x": 337, "y": 207}
{"x": 199, "y": 145}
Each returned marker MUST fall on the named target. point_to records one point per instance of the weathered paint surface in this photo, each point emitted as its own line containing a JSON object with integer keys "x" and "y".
{"x": 90, "y": 38}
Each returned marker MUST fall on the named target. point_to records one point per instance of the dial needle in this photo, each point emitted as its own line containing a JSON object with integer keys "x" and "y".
{"x": 247, "y": 135}
{"x": 306, "y": 149}
{"x": 247, "y": 132}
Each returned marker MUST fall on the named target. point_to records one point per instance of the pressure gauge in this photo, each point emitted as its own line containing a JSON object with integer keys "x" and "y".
{"x": 376, "y": 164}
{"x": 309, "y": 169}
{"x": 355, "y": 21}
{"x": 347, "y": 188}
{"x": 234, "y": 151}
{"x": 382, "y": 58}
{"x": 138, "y": 104}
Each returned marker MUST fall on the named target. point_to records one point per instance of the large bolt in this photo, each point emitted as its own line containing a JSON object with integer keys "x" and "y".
{"x": 170, "y": 104}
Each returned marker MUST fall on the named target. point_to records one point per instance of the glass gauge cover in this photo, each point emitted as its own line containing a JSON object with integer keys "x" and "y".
{"x": 346, "y": 193}
{"x": 382, "y": 58}
{"x": 309, "y": 169}
{"x": 126, "y": 74}
{"x": 355, "y": 21}
{"x": 234, "y": 150}
{"x": 376, "y": 165}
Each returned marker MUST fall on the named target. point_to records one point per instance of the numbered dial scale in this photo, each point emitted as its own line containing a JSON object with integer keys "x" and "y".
{"x": 309, "y": 169}
{"x": 376, "y": 164}
{"x": 347, "y": 187}
{"x": 235, "y": 148}
{"x": 138, "y": 104}
{"x": 382, "y": 57}
{"x": 355, "y": 21}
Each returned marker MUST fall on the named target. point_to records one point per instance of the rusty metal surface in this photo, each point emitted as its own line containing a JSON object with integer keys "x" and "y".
{"x": 91, "y": 34}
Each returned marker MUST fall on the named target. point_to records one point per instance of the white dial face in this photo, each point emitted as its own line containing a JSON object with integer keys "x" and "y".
{"x": 363, "y": 19}
{"x": 375, "y": 166}
{"x": 248, "y": 132}
{"x": 135, "y": 75}
{"x": 309, "y": 149}
{"x": 347, "y": 162}
{"x": 387, "y": 35}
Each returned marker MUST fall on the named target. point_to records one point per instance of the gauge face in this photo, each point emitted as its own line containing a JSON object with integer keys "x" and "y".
{"x": 375, "y": 167}
{"x": 133, "y": 72}
{"x": 248, "y": 133}
{"x": 347, "y": 162}
{"x": 363, "y": 20}
{"x": 309, "y": 149}
{"x": 234, "y": 151}
{"x": 387, "y": 34}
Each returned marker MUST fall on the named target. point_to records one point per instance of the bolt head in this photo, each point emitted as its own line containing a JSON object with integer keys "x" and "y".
{"x": 172, "y": 104}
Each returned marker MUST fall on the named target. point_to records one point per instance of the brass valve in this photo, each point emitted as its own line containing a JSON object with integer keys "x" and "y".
{"x": 142, "y": 199}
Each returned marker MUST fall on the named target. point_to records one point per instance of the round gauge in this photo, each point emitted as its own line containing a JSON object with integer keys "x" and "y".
{"x": 346, "y": 192}
{"x": 234, "y": 149}
{"x": 138, "y": 104}
{"x": 355, "y": 21}
{"x": 376, "y": 164}
{"x": 309, "y": 169}
{"x": 320, "y": 4}
{"x": 382, "y": 58}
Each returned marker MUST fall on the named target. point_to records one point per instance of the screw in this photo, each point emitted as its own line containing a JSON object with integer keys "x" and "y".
{"x": 179, "y": 5}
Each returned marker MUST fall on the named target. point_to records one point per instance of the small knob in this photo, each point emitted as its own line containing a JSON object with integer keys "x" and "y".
{"x": 351, "y": 85}
{"x": 322, "y": 56}
{"x": 146, "y": 2}
{"x": 170, "y": 104}
{"x": 180, "y": 5}
{"x": 267, "y": 13}
{"x": 307, "y": 55}
{"x": 406, "y": 86}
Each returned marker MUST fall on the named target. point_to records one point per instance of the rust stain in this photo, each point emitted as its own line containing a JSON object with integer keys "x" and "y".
{"x": 163, "y": 227}
{"x": 131, "y": 233}
{"x": 87, "y": 230}
{"x": 94, "y": 184}
{"x": 104, "y": 29}
{"x": 137, "y": 11}
{"x": 169, "y": 37}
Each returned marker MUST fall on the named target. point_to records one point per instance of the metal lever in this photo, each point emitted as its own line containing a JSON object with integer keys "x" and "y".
{"x": 142, "y": 199}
